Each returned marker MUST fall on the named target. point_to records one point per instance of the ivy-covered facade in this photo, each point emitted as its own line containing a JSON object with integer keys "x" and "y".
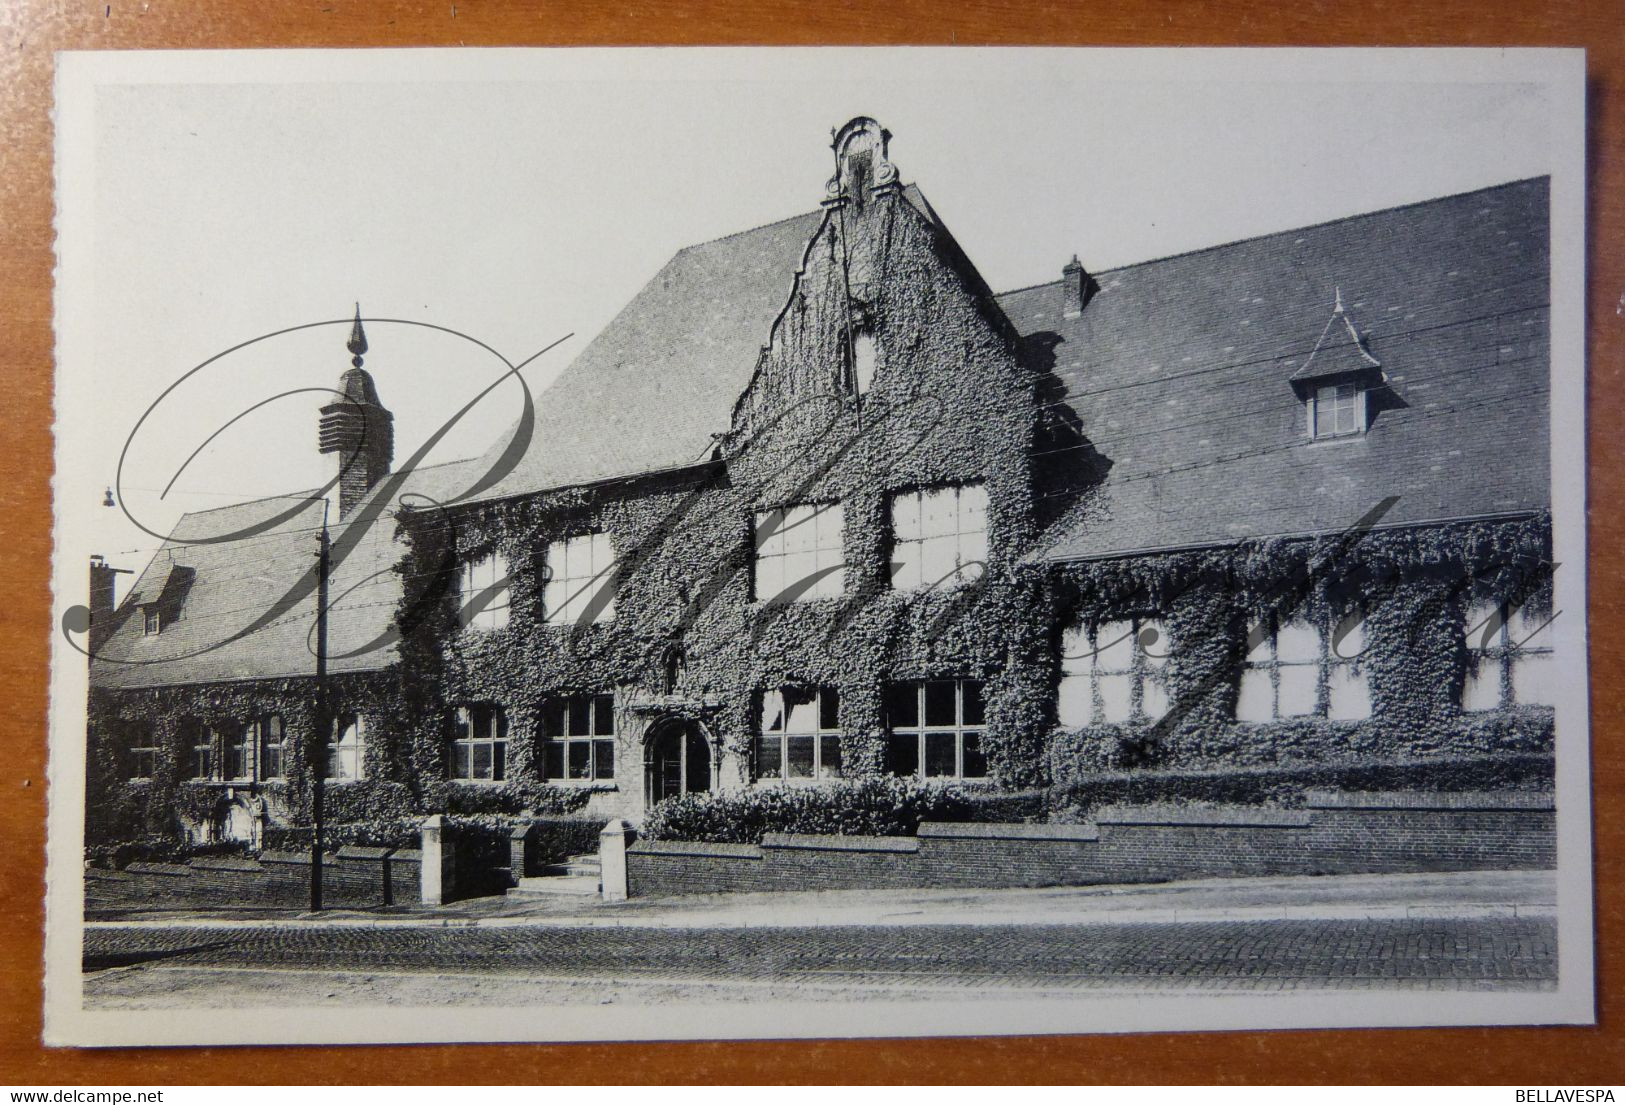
{"x": 821, "y": 505}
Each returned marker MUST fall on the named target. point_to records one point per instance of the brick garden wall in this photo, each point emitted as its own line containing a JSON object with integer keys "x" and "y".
{"x": 1333, "y": 833}
{"x": 355, "y": 878}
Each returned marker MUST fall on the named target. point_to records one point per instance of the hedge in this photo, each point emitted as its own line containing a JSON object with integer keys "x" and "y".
{"x": 393, "y": 833}
{"x": 556, "y": 839}
{"x": 1284, "y": 785}
{"x": 865, "y": 807}
{"x": 158, "y": 849}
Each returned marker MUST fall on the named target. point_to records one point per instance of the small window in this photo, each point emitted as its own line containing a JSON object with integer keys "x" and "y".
{"x": 579, "y": 580}
{"x": 935, "y": 729}
{"x": 270, "y": 737}
{"x": 939, "y": 536}
{"x": 1513, "y": 663}
{"x": 800, "y": 553}
{"x": 1289, "y": 662}
{"x": 480, "y": 752}
{"x": 152, "y": 621}
{"x": 237, "y": 742}
{"x": 1336, "y": 410}
{"x": 143, "y": 753}
{"x": 1113, "y": 672}
{"x": 346, "y": 748}
{"x": 484, "y": 592}
{"x": 580, "y": 734}
{"x": 800, "y": 734}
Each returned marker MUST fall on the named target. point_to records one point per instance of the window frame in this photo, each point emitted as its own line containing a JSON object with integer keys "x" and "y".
{"x": 204, "y": 756}
{"x": 1505, "y": 655}
{"x": 260, "y": 729}
{"x": 898, "y": 568}
{"x": 149, "y": 752}
{"x": 830, "y": 576}
{"x": 1144, "y": 667}
{"x": 152, "y": 620}
{"x": 1356, "y": 406}
{"x": 1328, "y": 661}
{"x": 600, "y": 712}
{"x": 236, "y": 741}
{"x": 493, "y": 615}
{"x": 922, "y": 731}
{"x": 825, "y": 704}
{"x": 335, "y": 750}
{"x": 593, "y": 585}
{"x": 495, "y": 738}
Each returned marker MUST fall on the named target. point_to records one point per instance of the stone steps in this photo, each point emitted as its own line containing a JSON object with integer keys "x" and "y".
{"x": 576, "y": 875}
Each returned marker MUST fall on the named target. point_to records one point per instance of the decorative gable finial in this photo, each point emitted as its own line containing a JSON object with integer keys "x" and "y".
{"x": 1337, "y": 299}
{"x": 358, "y": 339}
{"x": 862, "y": 162}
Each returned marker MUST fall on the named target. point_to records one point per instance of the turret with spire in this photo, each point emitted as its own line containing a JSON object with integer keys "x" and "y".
{"x": 356, "y": 426}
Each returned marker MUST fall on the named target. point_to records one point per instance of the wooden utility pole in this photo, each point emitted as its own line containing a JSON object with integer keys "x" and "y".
{"x": 323, "y": 722}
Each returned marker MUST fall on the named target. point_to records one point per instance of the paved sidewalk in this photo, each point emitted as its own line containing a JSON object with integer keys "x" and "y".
{"x": 1463, "y": 895}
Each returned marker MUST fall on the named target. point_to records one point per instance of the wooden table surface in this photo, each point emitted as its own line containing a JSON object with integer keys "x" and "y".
{"x": 31, "y": 30}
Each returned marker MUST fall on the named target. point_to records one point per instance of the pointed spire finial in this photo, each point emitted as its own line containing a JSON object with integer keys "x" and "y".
{"x": 358, "y": 339}
{"x": 1337, "y": 301}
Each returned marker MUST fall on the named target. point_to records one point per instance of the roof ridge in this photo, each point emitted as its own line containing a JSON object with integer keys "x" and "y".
{"x": 747, "y": 230}
{"x": 1285, "y": 231}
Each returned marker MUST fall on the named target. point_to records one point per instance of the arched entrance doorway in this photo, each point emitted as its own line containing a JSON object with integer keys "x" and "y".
{"x": 677, "y": 761}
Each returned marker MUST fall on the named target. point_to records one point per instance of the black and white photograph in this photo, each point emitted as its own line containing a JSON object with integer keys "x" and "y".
{"x": 681, "y": 544}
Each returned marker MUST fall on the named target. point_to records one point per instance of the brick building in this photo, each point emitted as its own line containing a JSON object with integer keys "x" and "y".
{"x": 819, "y": 503}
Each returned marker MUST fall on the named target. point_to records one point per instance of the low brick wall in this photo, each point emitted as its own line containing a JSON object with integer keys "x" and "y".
{"x": 1334, "y": 833}
{"x": 355, "y": 878}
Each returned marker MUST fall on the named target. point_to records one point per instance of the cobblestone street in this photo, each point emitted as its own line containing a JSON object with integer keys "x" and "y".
{"x": 194, "y": 967}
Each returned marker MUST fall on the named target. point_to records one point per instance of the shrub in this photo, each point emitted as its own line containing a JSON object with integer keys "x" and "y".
{"x": 1285, "y": 785}
{"x": 158, "y": 849}
{"x": 556, "y": 839}
{"x": 1006, "y": 806}
{"x": 466, "y": 800}
{"x": 866, "y": 807}
{"x": 393, "y": 833}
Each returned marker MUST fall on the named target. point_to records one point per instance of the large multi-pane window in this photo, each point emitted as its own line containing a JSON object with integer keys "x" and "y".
{"x": 268, "y": 735}
{"x": 484, "y": 592}
{"x": 939, "y": 536}
{"x": 1512, "y": 659}
{"x": 579, "y": 580}
{"x": 346, "y": 748}
{"x": 480, "y": 751}
{"x": 1336, "y": 410}
{"x": 935, "y": 729}
{"x": 237, "y": 744}
{"x": 580, "y": 735}
{"x": 800, "y": 552}
{"x": 1113, "y": 672}
{"x": 800, "y": 734}
{"x": 1291, "y": 661}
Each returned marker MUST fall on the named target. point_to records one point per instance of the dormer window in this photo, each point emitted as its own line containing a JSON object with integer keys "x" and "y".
{"x": 1334, "y": 380}
{"x": 152, "y": 621}
{"x": 1336, "y": 410}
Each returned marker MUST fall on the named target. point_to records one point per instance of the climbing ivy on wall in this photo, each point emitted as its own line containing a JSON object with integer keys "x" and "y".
{"x": 1412, "y": 587}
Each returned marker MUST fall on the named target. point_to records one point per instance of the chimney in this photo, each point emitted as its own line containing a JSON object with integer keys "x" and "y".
{"x": 356, "y": 426}
{"x": 101, "y": 602}
{"x": 1080, "y": 287}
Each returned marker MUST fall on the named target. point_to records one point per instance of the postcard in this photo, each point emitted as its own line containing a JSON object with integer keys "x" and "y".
{"x": 759, "y": 543}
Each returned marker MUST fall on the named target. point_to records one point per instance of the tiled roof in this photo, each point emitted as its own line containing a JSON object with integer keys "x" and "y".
{"x": 650, "y": 391}
{"x": 1178, "y": 372}
{"x": 238, "y": 583}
